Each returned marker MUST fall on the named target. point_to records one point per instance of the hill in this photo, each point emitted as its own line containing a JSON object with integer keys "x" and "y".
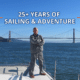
{"x": 3, "y": 39}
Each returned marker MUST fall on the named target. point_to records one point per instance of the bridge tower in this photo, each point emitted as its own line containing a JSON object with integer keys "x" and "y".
{"x": 73, "y": 35}
{"x": 9, "y": 36}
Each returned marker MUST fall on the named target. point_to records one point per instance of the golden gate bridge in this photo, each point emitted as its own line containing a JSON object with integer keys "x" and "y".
{"x": 73, "y": 37}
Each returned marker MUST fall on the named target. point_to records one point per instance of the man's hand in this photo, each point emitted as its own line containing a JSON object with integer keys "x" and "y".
{"x": 39, "y": 40}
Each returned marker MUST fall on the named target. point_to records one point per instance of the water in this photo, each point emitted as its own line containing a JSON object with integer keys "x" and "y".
{"x": 67, "y": 56}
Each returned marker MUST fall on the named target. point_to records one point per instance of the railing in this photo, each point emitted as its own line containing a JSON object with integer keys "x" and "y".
{"x": 78, "y": 77}
{"x": 55, "y": 72}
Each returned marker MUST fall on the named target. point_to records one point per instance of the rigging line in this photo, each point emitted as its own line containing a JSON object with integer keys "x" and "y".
{"x": 14, "y": 55}
{"x": 17, "y": 33}
{"x": 63, "y": 32}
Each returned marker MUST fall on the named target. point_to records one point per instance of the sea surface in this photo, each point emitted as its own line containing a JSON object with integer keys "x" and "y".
{"x": 66, "y": 55}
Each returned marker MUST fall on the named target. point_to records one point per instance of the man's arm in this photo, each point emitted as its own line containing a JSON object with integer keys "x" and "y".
{"x": 41, "y": 42}
{"x": 34, "y": 41}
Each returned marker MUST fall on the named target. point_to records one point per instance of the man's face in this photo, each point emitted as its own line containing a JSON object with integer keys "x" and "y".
{"x": 35, "y": 31}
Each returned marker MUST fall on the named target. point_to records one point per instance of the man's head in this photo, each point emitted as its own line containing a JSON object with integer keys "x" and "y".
{"x": 35, "y": 30}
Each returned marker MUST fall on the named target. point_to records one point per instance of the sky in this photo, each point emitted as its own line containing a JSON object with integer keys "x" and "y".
{"x": 69, "y": 9}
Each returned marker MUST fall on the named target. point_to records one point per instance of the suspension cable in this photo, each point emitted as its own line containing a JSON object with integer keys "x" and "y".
{"x": 63, "y": 32}
{"x": 17, "y": 33}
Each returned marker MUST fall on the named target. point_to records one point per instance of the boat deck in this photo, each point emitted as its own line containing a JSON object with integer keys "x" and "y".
{"x": 12, "y": 70}
{"x": 38, "y": 76}
{"x": 15, "y": 72}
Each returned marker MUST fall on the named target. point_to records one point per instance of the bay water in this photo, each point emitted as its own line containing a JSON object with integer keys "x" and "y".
{"x": 66, "y": 55}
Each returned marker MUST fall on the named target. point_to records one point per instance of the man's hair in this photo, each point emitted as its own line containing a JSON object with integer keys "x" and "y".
{"x": 35, "y": 28}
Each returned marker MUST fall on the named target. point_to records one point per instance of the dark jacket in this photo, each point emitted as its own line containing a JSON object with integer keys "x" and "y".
{"x": 36, "y": 43}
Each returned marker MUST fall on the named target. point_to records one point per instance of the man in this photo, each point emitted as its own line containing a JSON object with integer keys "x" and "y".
{"x": 36, "y": 47}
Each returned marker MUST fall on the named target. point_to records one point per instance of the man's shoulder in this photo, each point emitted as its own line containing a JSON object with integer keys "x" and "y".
{"x": 38, "y": 35}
